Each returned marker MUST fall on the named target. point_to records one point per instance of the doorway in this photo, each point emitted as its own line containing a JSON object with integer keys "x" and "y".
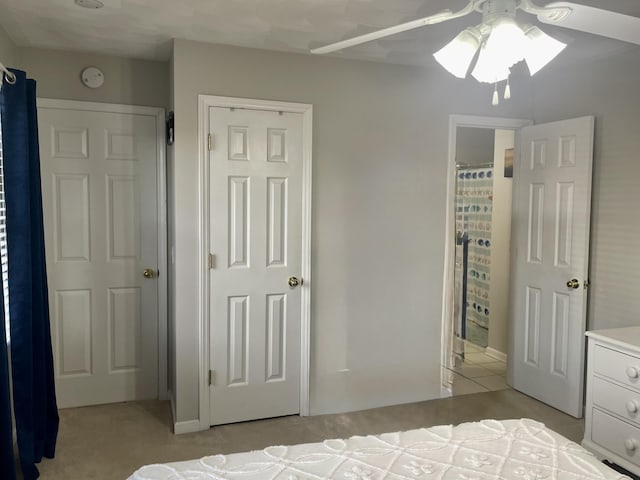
{"x": 483, "y": 179}
{"x": 549, "y": 259}
{"x": 475, "y": 328}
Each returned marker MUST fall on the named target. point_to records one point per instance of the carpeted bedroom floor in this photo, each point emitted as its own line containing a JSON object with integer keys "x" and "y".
{"x": 112, "y": 441}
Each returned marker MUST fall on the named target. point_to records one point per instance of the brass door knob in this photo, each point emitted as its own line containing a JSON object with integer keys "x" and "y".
{"x": 573, "y": 283}
{"x": 294, "y": 282}
{"x": 149, "y": 273}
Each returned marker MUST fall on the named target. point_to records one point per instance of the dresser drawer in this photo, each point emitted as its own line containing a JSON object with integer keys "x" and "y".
{"x": 616, "y": 436}
{"x": 617, "y": 366}
{"x": 616, "y": 399}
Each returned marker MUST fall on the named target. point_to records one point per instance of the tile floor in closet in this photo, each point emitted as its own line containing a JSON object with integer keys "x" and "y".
{"x": 477, "y": 372}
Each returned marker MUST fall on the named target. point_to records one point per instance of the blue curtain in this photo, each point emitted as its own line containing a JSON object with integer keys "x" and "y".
{"x": 7, "y": 462}
{"x": 35, "y": 409}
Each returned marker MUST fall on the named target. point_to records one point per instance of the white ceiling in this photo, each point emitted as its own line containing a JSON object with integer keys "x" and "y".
{"x": 144, "y": 28}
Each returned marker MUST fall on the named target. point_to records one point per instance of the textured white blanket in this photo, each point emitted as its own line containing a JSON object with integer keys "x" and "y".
{"x": 511, "y": 449}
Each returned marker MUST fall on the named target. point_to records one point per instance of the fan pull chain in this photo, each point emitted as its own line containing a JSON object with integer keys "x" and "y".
{"x": 507, "y": 90}
{"x": 495, "y": 101}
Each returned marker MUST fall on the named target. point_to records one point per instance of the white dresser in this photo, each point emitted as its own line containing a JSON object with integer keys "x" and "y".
{"x": 612, "y": 414}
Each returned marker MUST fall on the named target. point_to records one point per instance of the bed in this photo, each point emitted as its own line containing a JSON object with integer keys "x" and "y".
{"x": 521, "y": 449}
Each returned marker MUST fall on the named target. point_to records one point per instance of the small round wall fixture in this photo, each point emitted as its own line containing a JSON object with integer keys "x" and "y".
{"x": 92, "y": 77}
{"x": 89, "y": 3}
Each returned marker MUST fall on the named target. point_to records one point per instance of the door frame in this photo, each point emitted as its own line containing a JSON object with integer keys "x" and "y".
{"x": 456, "y": 121}
{"x": 205, "y": 102}
{"x": 158, "y": 113}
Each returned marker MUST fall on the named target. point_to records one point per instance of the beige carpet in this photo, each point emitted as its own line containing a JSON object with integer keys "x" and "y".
{"x": 111, "y": 441}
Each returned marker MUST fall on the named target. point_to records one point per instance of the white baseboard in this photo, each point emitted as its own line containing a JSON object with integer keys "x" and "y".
{"x": 190, "y": 426}
{"x": 496, "y": 354}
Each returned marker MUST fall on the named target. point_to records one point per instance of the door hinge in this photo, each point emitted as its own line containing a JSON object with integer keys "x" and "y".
{"x": 211, "y": 261}
{"x": 210, "y": 142}
{"x": 212, "y": 377}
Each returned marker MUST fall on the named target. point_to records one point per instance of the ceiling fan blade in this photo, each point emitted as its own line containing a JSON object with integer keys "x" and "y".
{"x": 403, "y": 27}
{"x": 595, "y": 20}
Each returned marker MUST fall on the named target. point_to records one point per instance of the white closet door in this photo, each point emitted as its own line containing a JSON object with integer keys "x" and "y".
{"x": 256, "y": 236}
{"x": 100, "y": 213}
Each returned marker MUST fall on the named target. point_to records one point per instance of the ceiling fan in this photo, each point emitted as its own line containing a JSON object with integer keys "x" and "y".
{"x": 499, "y": 42}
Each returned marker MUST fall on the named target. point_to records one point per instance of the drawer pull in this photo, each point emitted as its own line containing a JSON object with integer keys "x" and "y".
{"x": 632, "y": 372}
{"x": 631, "y": 444}
{"x": 632, "y": 406}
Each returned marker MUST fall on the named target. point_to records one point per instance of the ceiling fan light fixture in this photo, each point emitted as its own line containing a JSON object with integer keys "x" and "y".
{"x": 457, "y": 55}
{"x": 541, "y": 49}
{"x": 490, "y": 68}
{"x": 504, "y": 47}
{"x": 506, "y": 42}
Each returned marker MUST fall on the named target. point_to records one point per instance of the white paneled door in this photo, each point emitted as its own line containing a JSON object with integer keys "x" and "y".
{"x": 551, "y": 233}
{"x": 256, "y": 239}
{"x": 101, "y": 231}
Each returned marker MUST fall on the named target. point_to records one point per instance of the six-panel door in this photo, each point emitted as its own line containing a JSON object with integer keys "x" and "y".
{"x": 256, "y": 237}
{"x": 551, "y": 234}
{"x": 100, "y": 214}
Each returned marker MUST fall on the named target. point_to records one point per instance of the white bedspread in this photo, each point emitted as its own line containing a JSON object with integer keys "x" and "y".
{"x": 511, "y": 449}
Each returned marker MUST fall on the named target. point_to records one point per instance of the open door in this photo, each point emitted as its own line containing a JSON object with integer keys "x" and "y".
{"x": 552, "y": 207}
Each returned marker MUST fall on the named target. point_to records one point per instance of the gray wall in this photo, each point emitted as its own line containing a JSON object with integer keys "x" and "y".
{"x": 127, "y": 81}
{"x": 500, "y": 244}
{"x": 380, "y": 158}
{"x": 7, "y": 49}
{"x": 474, "y": 146}
{"x": 608, "y": 89}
